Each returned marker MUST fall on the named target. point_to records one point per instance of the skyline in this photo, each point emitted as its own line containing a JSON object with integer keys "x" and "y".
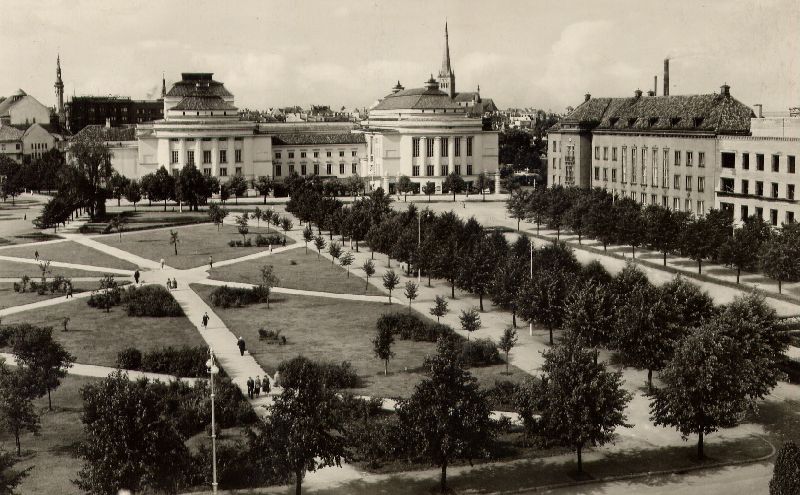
{"x": 539, "y": 54}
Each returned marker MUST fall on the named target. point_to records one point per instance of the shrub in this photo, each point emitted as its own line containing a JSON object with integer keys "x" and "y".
{"x": 237, "y": 467}
{"x": 183, "y": 361}
{"x": 5, "y": 335}
{"x": 151, "y": 300}
{"x": 334, "y": 375}
{"x": 786, "y": 474}
{"x": 232, "y": 243}
{"x": 17, "y": 287}
{"x": 270, "y": 239}
{"x": 227, "y": 297}
{"x": 247, "y": 243}
{"x": 129, "y": 359}
{"x": 480, "y": 352}
{"x": 98, "y": 298}
{"x": 271, "y": 336}
{"x": 411, "y": 327}
{"x": 503, "y": 395}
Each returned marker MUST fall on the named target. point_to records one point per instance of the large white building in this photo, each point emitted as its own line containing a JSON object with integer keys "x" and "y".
{"x": 429, "y": 132}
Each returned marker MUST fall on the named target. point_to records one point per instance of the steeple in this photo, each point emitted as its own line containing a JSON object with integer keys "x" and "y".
{"x": 447, "y": 78}
{"x": 59, "y": 86}
{"x": 163, "y": 86}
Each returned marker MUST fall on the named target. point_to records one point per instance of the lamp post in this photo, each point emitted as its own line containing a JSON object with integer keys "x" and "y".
{"x": 211, "y": 365}
{"x": 530, "y": 325}
{"x": 419, "y": 246}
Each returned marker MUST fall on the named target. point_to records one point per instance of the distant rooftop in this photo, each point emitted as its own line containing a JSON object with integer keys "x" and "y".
{"x": 318, "y": 138}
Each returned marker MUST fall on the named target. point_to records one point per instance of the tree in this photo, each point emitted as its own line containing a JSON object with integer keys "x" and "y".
{"x": 264, "y": 185}
{"x": 447, "y": 416}
{"x": 630, "y": 225}
{"x": 319, "y": 243}
{"x": 17, "y": 413}
{"x": 10, "y": 478}
{"x": 470, "y": 321}
{"x": 286, "y": 226}
{"x": 217, "y": 214}
{"x": 482, "y": 183}
{"x": 173, "y": 239}
{"x": 133, "y": 193}
{"x": 117, "y": 184}
{"x": 428, "y": 189}
{"x": 663, "y": 228}
{"x": 118, "y": 411}
{"x": 786, "y": 473}
{"x": 238, "y": 186}
{"x": 411, "y": 292}
{"x": 542, "y": 299}
{"x": 507, "y": 282}
{"x": 242, "y": 226}
{"x": 110, "y": 289}
{"x": 737, "y": 251}
{"x": 91, "y": 156}
{"x": 455, "y": 184}
{"x": 579, "y": 401}
{"x": 369, "y": 270}
{"x": 346, "y": 260}
{"x": 390, "y": 281}
{"x": 780, "y": 255}
{"x": 559, "y": 202}
{"x": 303, "y": 430}
{"x": 193, "y": 187}
{"x": 335, "y": 250}
{"x": 507, "y": 342}
{"x": 268, "y": 280}
{"x": 696, "y": 242}
{"x": 46, "y": 359}
{"x": 224, "y": 192}
{"x": 589, "y": 315}
{"x": 439, "y": 308}
{"x": 117, "y": 222}
{"x": 517, "y": 206}
{"x": 258, "y": 215}
{"x": 404, "y": 186}
{"x": 308, "y": 235}
{"x": 478, "y": 269}
{"x": 161, "y": 187}
{"x": 382, "y": 346}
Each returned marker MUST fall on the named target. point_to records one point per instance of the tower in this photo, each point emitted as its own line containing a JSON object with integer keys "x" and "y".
{"x": 163, "y": 85}
{"x": 447, "y": 78}
{"x": 59, "y": 86}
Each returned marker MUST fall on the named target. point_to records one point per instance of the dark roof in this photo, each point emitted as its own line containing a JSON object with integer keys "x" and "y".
{"x": 709, "y": 113}
{"x": 468, "y": 96}
{"x": 109, "y": 133}
{"x": 196, "y": 102}
{"x": 9, "y": 133}
{"x": 417, "y": 98}
{"x": 322, "y": 139}
{"x": 192, "y": 82}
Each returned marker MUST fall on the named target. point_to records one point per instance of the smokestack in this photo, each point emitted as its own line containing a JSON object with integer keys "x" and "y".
{"x": 655, "y": 85}
{"x": 666, "y": 77}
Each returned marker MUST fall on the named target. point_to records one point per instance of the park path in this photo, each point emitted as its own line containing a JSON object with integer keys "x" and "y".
{"x": 95, "y": 371}
{"x": 43, "y": 303}
{"x": 116, "y": 252}
{"x": 299, "y": 292}
{"x": 64, "y": 264}
{"x": 8, "y": 280}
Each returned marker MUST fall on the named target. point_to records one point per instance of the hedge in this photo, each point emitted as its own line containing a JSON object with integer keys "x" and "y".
{"x": 334, "y": 375}
{"x": 151, "y": 300}
{"x": 227, "y": 297}
{"x": 184, "y": 361}
{"x": 411, "y": 327}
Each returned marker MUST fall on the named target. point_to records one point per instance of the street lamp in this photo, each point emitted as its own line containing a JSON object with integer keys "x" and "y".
{"x": 530, "y": 325}
{"x": 419, "y": 247}
{"x": 211, "y": 365}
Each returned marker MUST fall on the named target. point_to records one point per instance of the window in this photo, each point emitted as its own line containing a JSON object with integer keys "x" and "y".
{"x": 353, "y": 153}
{"x": 701, "y": 184}
{"x": 745, "y": 186}
{"x": 774, "y": 190}
{"x": 415, "y": 170}
{"x": 654, "y": 166}
{"x": 316, "y": 169}
{"x": 277, "y": 170}
{"x": 206, "y": 156}
{"x": 173, "y": 159}
{"x": 443, "y": 146}
{"x": 745, "y": 161}
{"x": 328, "y": 153}
{"x": 743, "y": 212}
{"x": 302, "y": 154}
{"x": 790, "y": 164}
{"x": 303, "y": 169}
{"x": 429, "y": 170}
{"x": 644, "y": 166}
{"x": 728, "y": 160}
{"x": 614, "y": 174}
{"x": 701, "y": 159}
{"x": 354, "y": 168}
{"x": 429, "y": 147}
{"x": 759, "y": 188}
{"x": 643, "y": 199}
{"x": 653, "y": 199}
{"x": 223, "y": 172}
{"x": 291, "y": 155}
{"x": 341, "y": 169}
{"x": 414, "y": 148}
{"x": 790, "y": 191}
{"x": 237, "y": 156}
{"x": 614, "y": 154}
{"x": 190, "y": 157}
{"x": 328, "y": 169}
{"x": 701, "y": 206}
{"x": 278, "y": 155}
{"x": 773, "y": 217}
{"x": 776, "y": 163}
{"x": 457, "y": 169}
{"x": 291, "y": 169}
{"x": 469, "y": 146}
{"x": 688, "y": 205}
{"x": 676, "y": 182}
{"x": 554, "y": 146}
{"x": 676, "y": 204}
{"x": 457, "y": 146}
{"x": 633, "y": 165}
{"x": 605, "y": 152}
{"x": 665, "y": 171}
{"x": 688, "y": 182}
{"x": 341, "y": 154}
{"x": 689, "y": 158}
{"x": 443, "y": 170}
{"x": 760, "y": 212}
{"x": 759, "y": 162}
{"x": 624, "y": 165}
{"x": 597, "y": 152}
{"x": 605, "y": 173}
{"x": 677, "y": 158}
{"x": 597, "y": 173}
{"x": 238, "y": 171}
{"x": 789, "y": 217}
{"x": 469, "y": 169}
{"x": 207, "y": 172}
{"x": 316, "y": 154}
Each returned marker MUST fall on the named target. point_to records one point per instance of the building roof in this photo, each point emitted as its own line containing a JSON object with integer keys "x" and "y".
{"x": 109, "y": 133}
{"x": 10, "y": 133}
{"x": 417, "y": 99}
{"x": 199, "y": 102}
{"x": 708, "y": 113}
{"x": 192, "y": 82}
{"x": 315, "y": 138}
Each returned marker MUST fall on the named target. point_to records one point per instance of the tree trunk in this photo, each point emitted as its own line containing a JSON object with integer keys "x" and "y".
{"x": 633, "y": 252}
{"x": 386, "y": 367}
{"x": 650, "y": 381}
{"x": 700, "y": 454}
{"x": 443, "y": 478}
{"x": 665, "y": 258}
{"x": 517, "y": 224}
{"x": 506, "y": 362}
{"x": 265, "y": 199}
{"x": 580, "y": 460}
{"x": 165, "y": 205}
{"x": 579, "y": 238}
{"x": 699, "y": 266}
{"x": 452, "y": 289}
{"x": 298, "y": 483}
{"x": 49, "y": 401}
{"x": 16, "y": 438}
{"x": 366, "y": 285}
{"x": 551, "y": 335}
{"x": 780, "y": 288}
{"x": 738, "y": 273}
{"x": 480, "y": 298}
{"x": 514, "y": 318}
{"x": 176, "y": 248}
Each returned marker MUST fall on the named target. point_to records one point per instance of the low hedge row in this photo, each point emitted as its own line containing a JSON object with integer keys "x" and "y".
{"x": 237, "y": 297}
{"x": 410, "y": 327}
{"x": 183, "y": 361}
{"x": 151, "y": 300}
{"x": 334, "y": 375}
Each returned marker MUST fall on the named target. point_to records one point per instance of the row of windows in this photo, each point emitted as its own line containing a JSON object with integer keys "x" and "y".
{"x": 304, "y": 169}
{"x": 290, "y": 154}
{"x": 759, "y": 212}
{"x": 223, "y": 172}
{"x": 223, "y": 156}
{"x": 17, "y": 146}
{"x": 444, "y": 147}
{"x": 729, "y": 161}
{"x": 443, "y": 170}
{"x": 654, "y": 199}
{"x": 728, "y": 185}
{"x": 39, "y": 146}
{"x": 676, "y": 180}
{"x": 206, "y": 139}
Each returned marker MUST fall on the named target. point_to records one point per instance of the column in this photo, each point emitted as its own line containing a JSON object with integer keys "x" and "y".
{"x": 423, "y": 155}
{"x": 437, "y": 155}
{"x": 451, "y": 159}
{"x": 181, "y": 153}
{"x": 198, "y": 153}
{"x": 214, "y": 156}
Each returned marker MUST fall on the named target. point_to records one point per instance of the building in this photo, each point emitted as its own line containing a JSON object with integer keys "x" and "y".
{"x": 427, "y": 133}
{"x": 327, "y": 150}
{"x": 27, "y": 128}
{"x": 122, "y": 144}
{"x": 23, "y": 110}
{"x": 117, "y": 111}
{"x": 654, "y": 149}
{"x": 59, "y": 87}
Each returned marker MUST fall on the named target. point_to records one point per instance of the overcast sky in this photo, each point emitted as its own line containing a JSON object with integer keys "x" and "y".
{"x": 545, "y": 54}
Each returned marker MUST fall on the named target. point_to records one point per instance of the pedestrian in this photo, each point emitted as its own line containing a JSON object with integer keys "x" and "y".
{"x": 175, "y": 283}
{"x": 36, "y": 255}
{"x": 69, "y": 290}
{"x": 276, "y": 380}
{"x": 162, "y": 263}
{"x": 25, "y": 216}
{"x": 205, "y": 320}
{"x": 270, "y": 247}
{"x": 242, "y": 345}
{"x": 257, "y": 387}
{"x": 265, "y": 385}
{"x": 169, "y": 284}
{"x": 250, "y": 385}
{"x": 210, "y": 262}
{"x": 136, "y": 277}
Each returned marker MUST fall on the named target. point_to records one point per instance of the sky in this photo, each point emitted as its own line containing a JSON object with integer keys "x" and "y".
{"x": 543, "y": 54}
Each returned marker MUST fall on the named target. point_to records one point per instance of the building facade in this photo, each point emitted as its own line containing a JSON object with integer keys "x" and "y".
{"x": 117, "y": 111}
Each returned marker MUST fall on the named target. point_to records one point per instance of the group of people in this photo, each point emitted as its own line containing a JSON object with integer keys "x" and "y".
{"x": 254, "y": 386}
{"x": 172, "y": 283}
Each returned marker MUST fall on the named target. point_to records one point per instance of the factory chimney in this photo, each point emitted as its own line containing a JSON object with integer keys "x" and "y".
{"x": 666, "y": 77}
{"x": 655, "y": 85}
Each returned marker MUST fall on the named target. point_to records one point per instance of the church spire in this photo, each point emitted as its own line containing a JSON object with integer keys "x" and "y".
{"x": 59, "y": 87}
{"x": 447, "y": 78}
{"x": 163, "y": 85}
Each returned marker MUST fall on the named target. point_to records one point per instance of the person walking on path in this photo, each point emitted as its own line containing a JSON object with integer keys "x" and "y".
{"x": 210, "y": 262}
{"x": 265, "y": 384}
{"x": 136, "y": 276}
{"x": 242, "y": 345}
{"x": 169, "y": 284}
{"x": 250, "y": 386}
{"x": 257, "y": 386}
{"x": 36, "y": 255}
{"x": 205, "y": 320}
{"x": 69, "y": 290}
{"x": 175, "y": 283}
{"x": 162, "y": 263}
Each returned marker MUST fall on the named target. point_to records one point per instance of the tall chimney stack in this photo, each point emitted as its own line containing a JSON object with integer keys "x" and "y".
{"x": 666, "y": 77}
{"x": 655, "y": 85}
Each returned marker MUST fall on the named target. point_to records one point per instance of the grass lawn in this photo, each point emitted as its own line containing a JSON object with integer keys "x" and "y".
{"x": 95, "y": 337}
{"x": 69, "y": 252}
{"x": 52, "y": 453}
{"x": 307, "y": 274}
{"x": 9, "y": 298}
{"x": 145, "y": 218}
{"x": 16, "y": 269}
{"x": 337, "y": 330}
{"x": 196, "y": 243}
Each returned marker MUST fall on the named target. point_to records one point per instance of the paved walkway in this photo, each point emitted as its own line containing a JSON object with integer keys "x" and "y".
{"x": 63, "y": 264}
{"x": 43, "y": 303}
{"x": 299, "y": 292}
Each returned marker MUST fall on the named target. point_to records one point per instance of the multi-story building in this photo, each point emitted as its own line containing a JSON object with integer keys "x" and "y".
{"x": 427, "y": 133}
{"x": 327, "y": 150}
{"x": 654, "y": 149}
{"x": 21, "y": 109}
{"x": 117, "y": 111}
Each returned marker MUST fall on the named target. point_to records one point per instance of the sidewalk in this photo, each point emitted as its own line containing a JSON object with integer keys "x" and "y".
{"x": 63, "y": 264}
